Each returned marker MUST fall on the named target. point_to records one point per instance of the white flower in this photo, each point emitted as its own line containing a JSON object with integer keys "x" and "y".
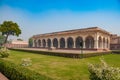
{"x": 26, "y": 62}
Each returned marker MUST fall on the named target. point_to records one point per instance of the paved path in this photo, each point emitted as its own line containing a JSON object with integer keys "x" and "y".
{"x": 2, "y": 77}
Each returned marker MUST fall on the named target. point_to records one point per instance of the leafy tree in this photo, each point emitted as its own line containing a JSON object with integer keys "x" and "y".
{"x": 9, "y": 28}
{"x": 30, "y": 42}
{"x": 2, "y": 39}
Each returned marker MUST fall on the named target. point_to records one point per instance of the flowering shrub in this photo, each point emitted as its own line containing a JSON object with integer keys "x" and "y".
{"x": 4, "y": 52}
{"x": 103, "y": 71}
{"x": 26, "y": 62}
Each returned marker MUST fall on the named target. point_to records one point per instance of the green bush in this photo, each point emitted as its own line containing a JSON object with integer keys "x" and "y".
{"x": 4, "y": 52}
{"x": 16, "y": 72}
{"x": 103, "y": 72}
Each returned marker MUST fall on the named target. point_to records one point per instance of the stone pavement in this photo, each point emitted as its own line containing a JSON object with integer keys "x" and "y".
{"x": 62, "y": 51}
{"x": 2, "y": 77}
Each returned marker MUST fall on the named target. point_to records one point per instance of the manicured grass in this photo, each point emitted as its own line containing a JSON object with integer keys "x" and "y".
{"x": 60, "y": 68}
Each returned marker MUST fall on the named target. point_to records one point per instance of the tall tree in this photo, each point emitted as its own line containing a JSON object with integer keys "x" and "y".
{"x": 9, "y": 28}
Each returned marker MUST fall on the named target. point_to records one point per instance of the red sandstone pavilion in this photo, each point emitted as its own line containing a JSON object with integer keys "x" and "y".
{"x": 93, "y": 38}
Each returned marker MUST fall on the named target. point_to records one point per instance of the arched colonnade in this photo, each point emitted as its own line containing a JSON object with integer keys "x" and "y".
{"x": 89, "y": 42}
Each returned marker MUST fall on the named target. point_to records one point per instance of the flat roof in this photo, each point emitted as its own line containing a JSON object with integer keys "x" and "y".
{"x": 74, "y": 30}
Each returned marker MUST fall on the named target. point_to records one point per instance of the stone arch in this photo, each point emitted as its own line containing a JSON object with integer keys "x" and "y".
{"x": 62, "y": 43}
{"x": 99, "y": 42}
{"x": 55, "y": 42}
{"x": 78, "y": 41}
{"x": 49, "y": 43}
{"x": 44, "y": 43}
{"x": 35, "y": 43}
{"x": 39, "y": 43}
{"x": 89, "y": 42}
{"x": 70, "y": 42}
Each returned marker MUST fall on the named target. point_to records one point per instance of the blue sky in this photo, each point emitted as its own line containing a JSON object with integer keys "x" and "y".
{"x": 44, "y": 16}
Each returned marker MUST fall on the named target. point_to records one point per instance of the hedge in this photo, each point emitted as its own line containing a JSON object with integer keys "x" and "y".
{"x": 17, "y": 72}
{"x": 116, "y": 51}
{"x": 69, "y": 55}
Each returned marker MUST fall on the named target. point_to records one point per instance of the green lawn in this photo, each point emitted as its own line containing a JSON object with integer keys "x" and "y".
{"x": 60, "y": 68}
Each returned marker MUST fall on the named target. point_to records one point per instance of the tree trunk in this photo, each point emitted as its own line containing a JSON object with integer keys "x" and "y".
{"x": 6, "y": 38}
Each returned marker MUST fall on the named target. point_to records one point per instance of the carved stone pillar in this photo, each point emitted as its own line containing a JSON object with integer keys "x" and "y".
{"x": 58, "y": 42}
{"x": 51, "y": 42}
{"x": 46, "y": 43}
{"x": 96, "y": 41}
{"x": 66, "y": 43}
{"x": 84, "y": 46}
{"x": 37, "y": 43}
{"x": 108, "y": 44}
{"x": 41, "y": 43}
{"x": 96, "y": 44}
{"x": 74, "y": 43}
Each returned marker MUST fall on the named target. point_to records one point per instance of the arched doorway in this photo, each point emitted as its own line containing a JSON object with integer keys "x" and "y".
{"x": 55, "y": 42}
{"x": 44, "y": 43}
{"x": 49, "y": 43}
{"x": 89, "y": 42}
{"x": 35, "y": 43}
{"x": 100, "y": 42}
{"x": 78, "y": 42}
{"x": 62, "y": 43}
{"x": 39, "y": 43}
{"x": 70, "y": 42}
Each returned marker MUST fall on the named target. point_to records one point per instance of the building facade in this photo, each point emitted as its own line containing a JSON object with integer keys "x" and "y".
{"x": 93, "y": 38}
{"x": 17, "y": 44}
{"x": 114, "y": 42}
